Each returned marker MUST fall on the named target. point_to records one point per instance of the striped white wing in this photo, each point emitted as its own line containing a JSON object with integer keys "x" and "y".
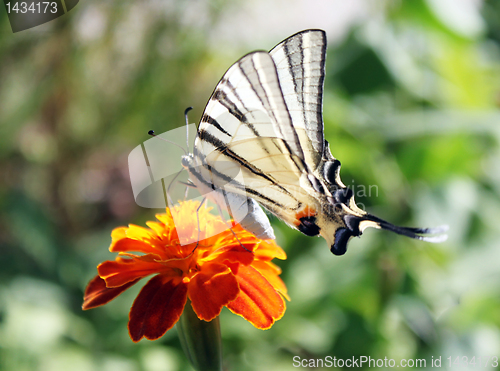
{"x": 248, "y": 104}
{"x": 246, "y": 136}
{"x": 300, "y": 64}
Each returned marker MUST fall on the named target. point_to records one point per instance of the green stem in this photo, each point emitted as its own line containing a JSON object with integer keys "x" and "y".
{"x": 200, "y": 340}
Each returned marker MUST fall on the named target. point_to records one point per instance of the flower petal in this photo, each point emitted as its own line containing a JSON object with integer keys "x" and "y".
{"x": 119, "y": 272}
{"x": 211, "y": 289}
{"x": 258, "y": 301}
{"x": 233, "y": 253}
{"x": 157, "y": 308}
{"x": 268, "y": 249}
{"x": 97, "y": 294}
{"x": 120, "y": 241}
{"x": 271, "y": 271}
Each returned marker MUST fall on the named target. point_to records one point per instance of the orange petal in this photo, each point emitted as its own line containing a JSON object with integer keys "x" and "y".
{"x": 211, "y": 289}
{"x": 234, "y": 254}
{"x": 120, "y": 242}
{"x": 268, "y": 249}
{"x": 271, "y": 271}
{"x": 258, "y": 301}
{"x": 118, "y": 273}
{"x": 157, "y": 308}
{"x": 159, "y": 228}
{"x": 97, "y": 294}
{"x": 137, "y": 232}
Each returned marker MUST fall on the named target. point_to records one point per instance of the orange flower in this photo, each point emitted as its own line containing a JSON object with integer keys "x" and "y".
{"x": 220, "y": 272}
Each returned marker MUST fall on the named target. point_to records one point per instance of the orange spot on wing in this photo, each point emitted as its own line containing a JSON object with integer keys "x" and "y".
{"x": 308, "y": 211}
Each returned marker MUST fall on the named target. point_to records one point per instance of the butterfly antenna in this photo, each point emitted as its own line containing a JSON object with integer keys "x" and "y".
{"x": 152, "y": 133}
{"x": 187, "y": 125}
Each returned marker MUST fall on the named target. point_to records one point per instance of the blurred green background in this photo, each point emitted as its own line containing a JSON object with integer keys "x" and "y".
{"x": 411, "y": 105}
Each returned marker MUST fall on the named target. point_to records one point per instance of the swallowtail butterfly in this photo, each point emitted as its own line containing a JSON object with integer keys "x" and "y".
{"x": 261, "y": 141}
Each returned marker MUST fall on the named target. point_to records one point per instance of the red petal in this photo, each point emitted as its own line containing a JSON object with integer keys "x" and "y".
{"x": 211, "y": 289}
{"x": 258, "y": 302}
{"x": 157, "y": 308}
{"x": 118, "y": 273}
{"x": 97, "y": 294}
{"x": 233, "y": 254}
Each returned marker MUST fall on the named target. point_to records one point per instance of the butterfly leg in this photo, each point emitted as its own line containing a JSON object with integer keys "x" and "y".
{"x": 170, "y": 202}
{"x": 198, "y": 223}
{"x": 230, "y": 228}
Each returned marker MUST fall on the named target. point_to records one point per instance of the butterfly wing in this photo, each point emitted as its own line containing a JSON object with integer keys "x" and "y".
{"x": 246, "y": 142}
{"x": 248, "y": 104}
{"x": 300, "y": 64}
{"x": 261, "y": 137}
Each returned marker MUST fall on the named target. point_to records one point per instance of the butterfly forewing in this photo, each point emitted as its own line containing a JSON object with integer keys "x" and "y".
{"x": 257, "y": 136}
{"x": 251, "y": 94}
{"x": 300, "y": 64}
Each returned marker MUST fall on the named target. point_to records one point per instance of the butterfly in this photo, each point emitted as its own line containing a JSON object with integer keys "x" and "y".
{"x": 260, "y": 141}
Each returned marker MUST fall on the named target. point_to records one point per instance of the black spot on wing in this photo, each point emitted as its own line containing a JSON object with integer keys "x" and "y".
{"x": 330, "y": 169}
{"x": 352, "y": 222}
{"x": 308, "y": 226}
{"x": 343, "y": 195}
{"x": 342, "y": 236}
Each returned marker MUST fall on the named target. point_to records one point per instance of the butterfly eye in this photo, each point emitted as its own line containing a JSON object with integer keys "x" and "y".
{"x": 330, "y": 171}
{"x": 187, "y": 162}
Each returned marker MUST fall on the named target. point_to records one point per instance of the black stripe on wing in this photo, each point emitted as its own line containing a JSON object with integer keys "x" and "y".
{"x": 268, "y": 90}
{"x": 296, "y": 59}
{"x": 227, "y": 179}
{"x": 222, "y": 148}
{"x": 209, "y": 120}
{"x": 250, "y": 90}
{"x": 221, "y": 97}
{"x": 300, "y": 64}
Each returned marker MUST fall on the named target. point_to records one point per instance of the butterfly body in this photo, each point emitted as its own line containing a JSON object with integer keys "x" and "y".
{"x": 261, "y": 140}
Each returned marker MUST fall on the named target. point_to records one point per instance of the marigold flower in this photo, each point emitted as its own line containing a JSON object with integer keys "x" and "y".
{"x": 220, "y": 272}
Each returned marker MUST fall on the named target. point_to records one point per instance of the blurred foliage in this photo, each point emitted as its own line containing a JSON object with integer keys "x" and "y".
{"x": 411, "y": 105}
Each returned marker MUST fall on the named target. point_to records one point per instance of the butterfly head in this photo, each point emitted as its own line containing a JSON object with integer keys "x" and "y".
{"x": 187, "y": 161}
